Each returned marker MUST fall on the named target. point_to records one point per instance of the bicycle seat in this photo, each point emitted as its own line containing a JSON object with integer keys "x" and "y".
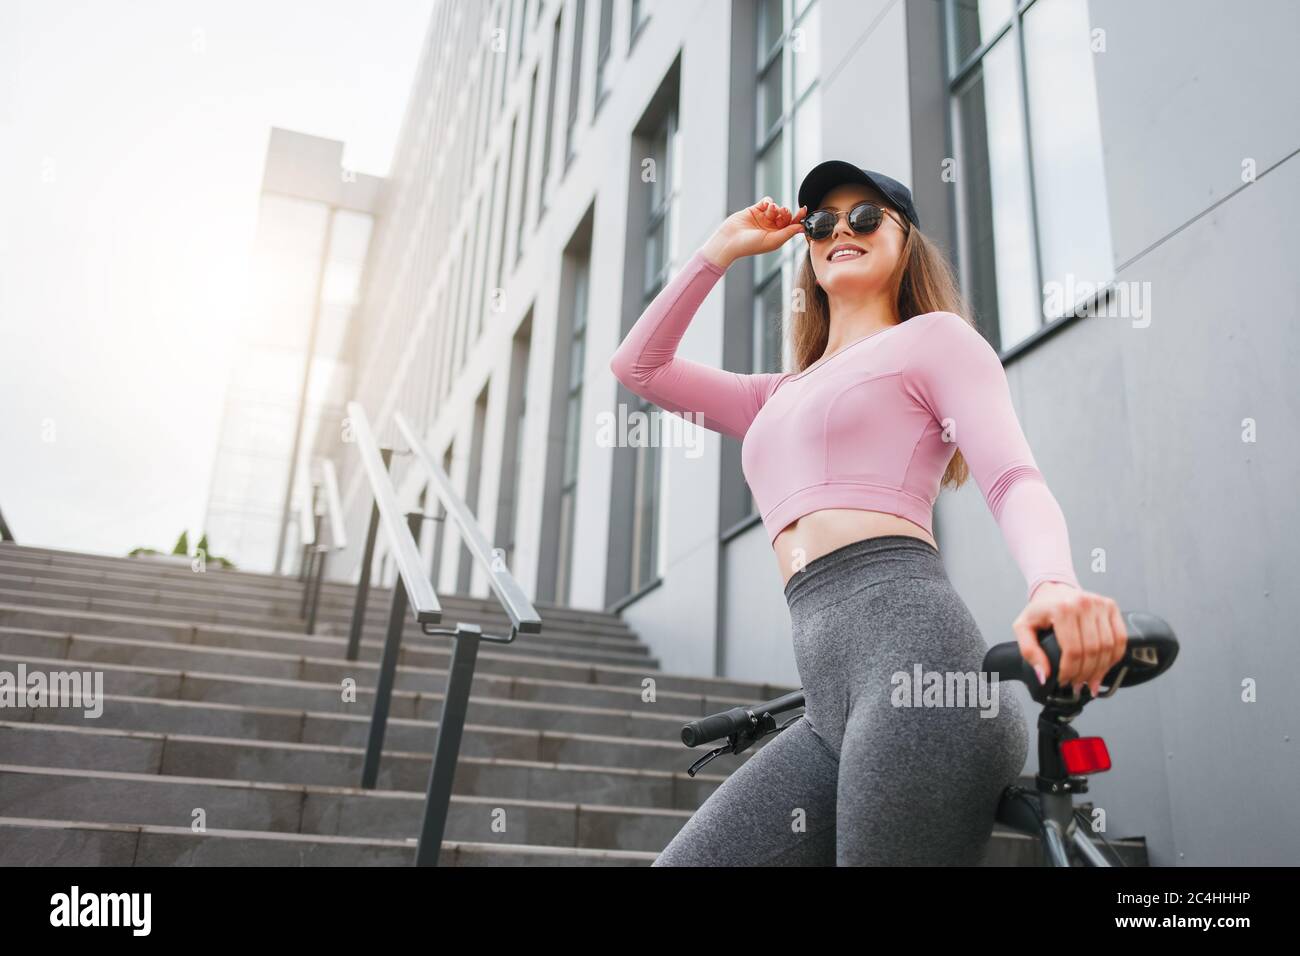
{"x": 1149, "y": 651}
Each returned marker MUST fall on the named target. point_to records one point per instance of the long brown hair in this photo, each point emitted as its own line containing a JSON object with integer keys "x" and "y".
{"x": 923, "y": 281}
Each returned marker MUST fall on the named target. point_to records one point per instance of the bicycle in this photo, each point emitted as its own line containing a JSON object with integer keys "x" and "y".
{"x": 1047, "y": 811}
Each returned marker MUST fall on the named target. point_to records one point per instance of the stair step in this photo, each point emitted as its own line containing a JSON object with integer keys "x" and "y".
{"x": 31, "y": 842}
{"x": 126, "y": 664}
{"x": 153, "y": 799}
{"x": 237, "y": 758}
{"x": 203, "y": 597}
{"x": 429, "y": 652}
{"x": 574, "y": 648}
{"x": 215, "y": 700}
{"x": 342, "y": 730}
{"x": 256, "y": 583}
{"x": 647, "y": 721}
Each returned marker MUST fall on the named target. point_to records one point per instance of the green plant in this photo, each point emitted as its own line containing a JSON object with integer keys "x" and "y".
{"x": 182, "y": 549}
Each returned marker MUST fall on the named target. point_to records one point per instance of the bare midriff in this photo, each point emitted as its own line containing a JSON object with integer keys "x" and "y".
{"x": 821, "y": 532}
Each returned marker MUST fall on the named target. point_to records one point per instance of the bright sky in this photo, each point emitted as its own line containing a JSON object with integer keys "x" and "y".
{"x": 132, "y": 137}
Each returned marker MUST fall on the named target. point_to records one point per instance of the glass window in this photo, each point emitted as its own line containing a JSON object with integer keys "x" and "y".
{"x": 575, "y": 80}
{"x": 524, "y": 27}
{"x": 974, "y": 23}
{"x": 640, "y": 14}
{"x": 604, "y": 48}
{"x": 522, "y": 222}
{"x": 516, "y": 430}
{"x": 788, "y": 122}
{"x": 998, "y": 230}
{"x": 660, "y": 247}
{"x": 1034, "y": 221}
{"x": 572, "y": 434}
{"x": 805, "y": 52}
{"x": 1069, "y": 175}
{"x": 550, "y": 116}
{"x": 770, "y": 100}
{"x": 505, "y": 60}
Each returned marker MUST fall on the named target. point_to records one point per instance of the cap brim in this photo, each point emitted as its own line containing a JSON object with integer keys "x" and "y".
{"x": 825, "y": 176}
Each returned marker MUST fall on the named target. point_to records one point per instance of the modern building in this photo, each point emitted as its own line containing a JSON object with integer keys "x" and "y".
{"x": 314, "y": 223}
{"x": 561, "y": 159}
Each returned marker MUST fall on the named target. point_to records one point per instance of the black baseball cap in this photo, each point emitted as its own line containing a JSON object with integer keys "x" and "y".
{"x": 824, "y": 177}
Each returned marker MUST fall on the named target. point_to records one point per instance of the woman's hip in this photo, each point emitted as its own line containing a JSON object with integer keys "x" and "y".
{"x": 878, "y": 622}
{"x": 887, "y": 596}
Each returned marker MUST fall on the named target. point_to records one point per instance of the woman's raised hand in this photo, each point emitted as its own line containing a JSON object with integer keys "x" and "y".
{"x": 752, "y": 231}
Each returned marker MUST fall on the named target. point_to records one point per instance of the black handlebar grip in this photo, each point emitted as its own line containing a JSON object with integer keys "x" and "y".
{"x": 715, "y": 726}
{"x": 1006, "y": 660}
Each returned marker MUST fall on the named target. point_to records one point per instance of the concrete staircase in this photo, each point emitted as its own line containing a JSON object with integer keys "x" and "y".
{"x": 226, "y": 737}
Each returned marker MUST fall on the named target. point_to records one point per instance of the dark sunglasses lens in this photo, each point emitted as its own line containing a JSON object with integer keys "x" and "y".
{"x": 865, "y": 218}
{"x": 819, "y": 224}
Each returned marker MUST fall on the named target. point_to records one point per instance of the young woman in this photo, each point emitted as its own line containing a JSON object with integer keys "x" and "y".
{"x": 894, "y": 393}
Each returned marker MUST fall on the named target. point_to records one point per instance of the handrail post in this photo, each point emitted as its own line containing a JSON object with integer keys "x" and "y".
{"x": 315, "y": 589}
{"x": 446, "y": 750}
{"x": 367, "y": 559}
{"x": 387, "y": 673}
{"x": 306, "y": 579}
{"x": 312, "y": 551}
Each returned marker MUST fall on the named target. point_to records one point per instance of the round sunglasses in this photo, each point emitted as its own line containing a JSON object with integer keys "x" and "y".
{"x": 864, "y": 218}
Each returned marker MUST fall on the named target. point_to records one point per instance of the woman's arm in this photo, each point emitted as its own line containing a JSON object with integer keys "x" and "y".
{"x": 647, "y": 363}
{"x": 956, "y": 373}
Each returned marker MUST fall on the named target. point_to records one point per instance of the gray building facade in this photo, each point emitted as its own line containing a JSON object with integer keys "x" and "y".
{"x": 314, "y": 223}
{"x": 1116, "y": 184}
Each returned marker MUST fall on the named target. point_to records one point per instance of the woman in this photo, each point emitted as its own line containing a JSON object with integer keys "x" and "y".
{"x": 894, "y": 394}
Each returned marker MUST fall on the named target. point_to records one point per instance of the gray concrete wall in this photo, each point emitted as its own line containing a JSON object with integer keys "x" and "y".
{"x": 1139, "y": 430}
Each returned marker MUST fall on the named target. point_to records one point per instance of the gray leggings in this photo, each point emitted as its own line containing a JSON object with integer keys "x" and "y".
{"x": 858, "y": 779}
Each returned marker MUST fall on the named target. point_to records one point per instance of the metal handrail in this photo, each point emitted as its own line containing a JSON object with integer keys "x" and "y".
{"x": 419, "y": 591}
{"x": 333, "y": 506}
{"x": 306, "y": 512}
{"x": 311, "y": 570}
{"x": 524, "y": 618}
{"x": 307, "y": 528}
{"x": 466, "y": 637}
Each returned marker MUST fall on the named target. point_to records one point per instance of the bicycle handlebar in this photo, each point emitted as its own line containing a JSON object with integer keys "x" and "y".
{"x": 1149, "y": 651}
{"x": 717, "y": 726}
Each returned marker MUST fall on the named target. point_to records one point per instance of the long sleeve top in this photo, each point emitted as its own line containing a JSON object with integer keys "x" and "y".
{"x": 872, "y": 426}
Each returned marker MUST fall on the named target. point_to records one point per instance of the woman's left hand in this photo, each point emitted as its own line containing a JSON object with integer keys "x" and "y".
{"x": 1089, "y": 629}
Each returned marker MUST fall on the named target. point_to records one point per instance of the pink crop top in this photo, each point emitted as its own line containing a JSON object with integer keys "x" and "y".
{"x": 873, "y": 426}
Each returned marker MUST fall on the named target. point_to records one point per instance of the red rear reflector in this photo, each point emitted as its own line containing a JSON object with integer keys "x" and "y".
{"x": 1085, "y": 755}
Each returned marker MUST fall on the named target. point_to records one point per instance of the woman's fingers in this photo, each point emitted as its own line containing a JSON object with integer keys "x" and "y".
{"x": 1091, "y": 641}
{"x": 776, "y": 216}
{"x": 1109, "y": 640}
{"x": 1065, "y": 624}
{"x": 1121, "y": 633}
{"x": 1025, "y": 628}
{"x": 1089, "y": 629}
{"x": 1111, "y": 625}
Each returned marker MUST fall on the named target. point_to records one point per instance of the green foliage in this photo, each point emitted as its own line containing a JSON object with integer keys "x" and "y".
{"x": 182, "y": 549}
